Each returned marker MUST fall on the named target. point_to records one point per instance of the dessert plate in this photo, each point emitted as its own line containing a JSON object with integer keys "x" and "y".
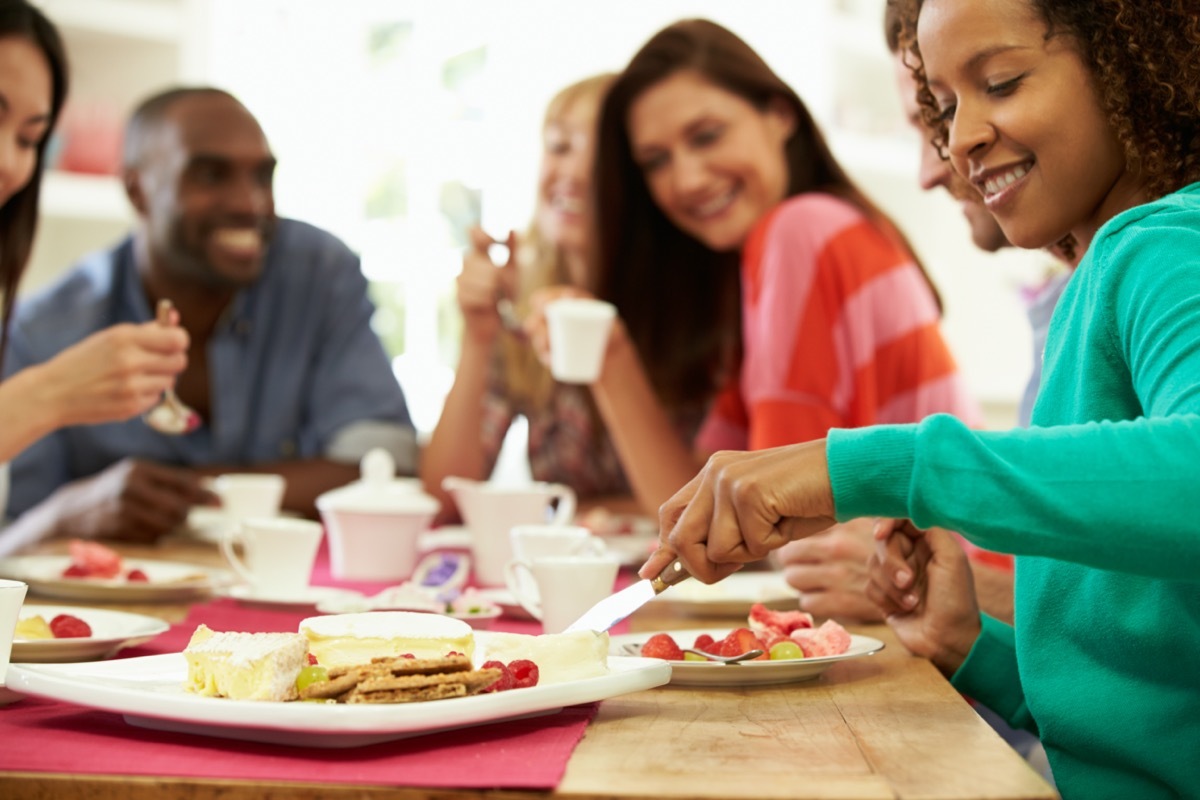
{"x": 111, "y": 631}
{"x": 168, "y": 580}
{"x": 731, "y": 597}
{"x": 148, "y": 692}
{"x": 745, "y": 673}
{"x": 309, "y": 597}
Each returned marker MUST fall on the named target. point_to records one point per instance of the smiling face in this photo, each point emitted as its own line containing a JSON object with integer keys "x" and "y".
{"x": 204, "y": 190}
{"x": 936, "y": 171}
{"x": 25, "y": 96}
{"x": 713, "y": 162}
{"x": 1025, "y": 123}
{"x": 563, "y": 182}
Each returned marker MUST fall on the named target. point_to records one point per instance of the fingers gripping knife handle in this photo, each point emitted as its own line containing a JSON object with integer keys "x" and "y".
{"x": 672, "y": 574}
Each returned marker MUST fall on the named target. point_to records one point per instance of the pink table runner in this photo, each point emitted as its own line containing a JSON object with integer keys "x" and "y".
{"x": 46, "y": 736}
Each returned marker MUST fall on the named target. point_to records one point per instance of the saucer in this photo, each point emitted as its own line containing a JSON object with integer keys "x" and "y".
{"x": 308, "y": 597}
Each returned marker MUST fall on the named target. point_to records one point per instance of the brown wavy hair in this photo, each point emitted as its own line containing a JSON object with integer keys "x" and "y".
{"x": 1144, "y": 58}
{"x": 19, "y": 216}
{"x": 681, "y": 301}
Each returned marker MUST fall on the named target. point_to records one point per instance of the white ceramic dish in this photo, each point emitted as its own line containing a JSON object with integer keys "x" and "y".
{"x": 730, "y": 597}
{"x": 746, "y": 673}
{"x": 149, "y": 693}
{"x": 309, "y": 597}
{"x": 111, "y": 631}
{"x": 168, "y": 580}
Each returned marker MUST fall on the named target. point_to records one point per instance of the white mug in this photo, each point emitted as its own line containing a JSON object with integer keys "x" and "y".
{"x": 279, "y": 551}
{"x": 534, "y": 541}
{"x": 12, "y": 595}
{"x": 567, "y": 586}
{"x": 491, "y": 510}
{"x": 249, "y": 494}
{"x": 578, "y": 328}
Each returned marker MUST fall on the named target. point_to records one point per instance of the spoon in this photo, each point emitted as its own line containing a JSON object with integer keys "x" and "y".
{"x": 636, "y": 650}
{"x": 170, "y": 415}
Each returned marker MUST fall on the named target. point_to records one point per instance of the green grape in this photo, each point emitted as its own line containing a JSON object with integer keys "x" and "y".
{"x": 310, "y": 675}
{"x": 785, "y": 650}
{"x": 693, "y": 657}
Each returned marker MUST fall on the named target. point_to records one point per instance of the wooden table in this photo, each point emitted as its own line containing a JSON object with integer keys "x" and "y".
{"x": 886, "y": 726}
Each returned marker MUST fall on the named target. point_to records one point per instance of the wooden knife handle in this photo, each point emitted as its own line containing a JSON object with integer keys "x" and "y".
{"x": 672, "y": 574}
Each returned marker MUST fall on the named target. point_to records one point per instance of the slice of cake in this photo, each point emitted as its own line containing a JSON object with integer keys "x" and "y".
{"x": 341, "y": 640}
{"x": 560, "y": 657}
{"x": 245, "y": 666}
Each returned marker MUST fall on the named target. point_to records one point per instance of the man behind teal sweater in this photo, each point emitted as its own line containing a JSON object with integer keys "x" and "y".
{"x": 1098, "y": 500}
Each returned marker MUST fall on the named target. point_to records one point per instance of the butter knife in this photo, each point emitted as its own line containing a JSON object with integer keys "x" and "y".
{"x": 616, "y": 607}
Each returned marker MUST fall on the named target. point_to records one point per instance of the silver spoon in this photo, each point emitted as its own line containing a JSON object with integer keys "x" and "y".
{"x": 170, "y": 415}
{"x": 636, "y": 650}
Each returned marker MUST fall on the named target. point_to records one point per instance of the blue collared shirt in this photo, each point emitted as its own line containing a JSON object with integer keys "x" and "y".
{"x": 294, "y": 367}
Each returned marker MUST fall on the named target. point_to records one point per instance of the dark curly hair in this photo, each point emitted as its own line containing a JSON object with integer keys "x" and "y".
{"x": 1144, "y": 57}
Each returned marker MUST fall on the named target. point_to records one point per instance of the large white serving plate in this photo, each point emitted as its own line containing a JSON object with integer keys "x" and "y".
{"x": 168, "y": 580}
{"x": 111, "y": 631}
{"x": 149, "y": 693}
{"x": 731, "y": 597}
{"x": 744, "y": 673}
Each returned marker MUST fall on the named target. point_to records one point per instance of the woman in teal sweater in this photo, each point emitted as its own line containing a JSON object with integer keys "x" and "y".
{"x": 1060, "y": 118}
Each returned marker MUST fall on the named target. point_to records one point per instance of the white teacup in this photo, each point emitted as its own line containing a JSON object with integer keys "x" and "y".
{"x": 567, "y": 586}
{"x": 534, "y": 541}
{"x": 578, "y": 329}
{"x": 491, "y": 510}
{"x": 279, "y": 553}
{"x": 249, "y": 494}
{"x": 12, "y": 595}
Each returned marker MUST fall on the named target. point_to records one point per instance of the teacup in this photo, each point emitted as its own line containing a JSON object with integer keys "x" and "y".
{"x": 12, "y": 595}
{"x": 279, "y": 553}
{"x": 491, "y": 510}
{"x": 249, "y": 494}
{"x": 578, "y": 329}
{"x": 534, "y": 541}
{"x": 567, "y": 586}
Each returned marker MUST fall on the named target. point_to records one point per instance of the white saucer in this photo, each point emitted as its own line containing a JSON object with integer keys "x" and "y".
{"x": 309, "y": 597}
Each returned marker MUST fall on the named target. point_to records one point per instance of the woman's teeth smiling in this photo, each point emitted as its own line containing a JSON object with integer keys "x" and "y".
{"x": 716, "y": 205}
{"x": 998, "y": 183}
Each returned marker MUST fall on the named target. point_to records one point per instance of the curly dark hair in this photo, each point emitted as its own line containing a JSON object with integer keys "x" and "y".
{"x": 1144, "y": 56}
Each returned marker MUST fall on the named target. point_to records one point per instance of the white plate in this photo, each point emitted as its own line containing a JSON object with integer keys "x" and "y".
{"x": 746, "y": 673}
{"x": 148, "y": 691}
{"x": 169, "y": 580}
{"x": 111, "y": 631}
{"x": 732, "y": 596}
{"x": 309, "y": 597}
{"x": 509, "y": 606}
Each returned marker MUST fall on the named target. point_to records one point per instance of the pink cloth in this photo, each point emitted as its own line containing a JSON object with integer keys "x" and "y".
{"x": 47, "y": 736}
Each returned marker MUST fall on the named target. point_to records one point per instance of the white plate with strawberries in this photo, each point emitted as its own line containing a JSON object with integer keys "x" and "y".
{"x": 137, "y": 580}
{"x": 742, "y": 673}
{"x": 69, "y": 633}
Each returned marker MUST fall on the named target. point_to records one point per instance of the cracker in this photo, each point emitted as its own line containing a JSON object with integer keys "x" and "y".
{"x": 474, "y": 681}
{"x": 439, "y": 692}
{"x": 406, "y": 666}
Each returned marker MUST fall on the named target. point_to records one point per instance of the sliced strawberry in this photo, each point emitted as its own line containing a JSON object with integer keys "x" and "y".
{"x": 747, "y": 641}
{"x": 137, "y": 576}
{"x": 661, "y": 645}
{"x": 98, "y": 560}
{"x": 763, "y": 619}
{"x": 524, "y": 673}
{"x": 76, "y": 571}
{"x": 65, "y": 626}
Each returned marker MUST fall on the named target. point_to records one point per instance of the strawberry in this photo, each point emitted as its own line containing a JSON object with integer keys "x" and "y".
{"x": 661, "y": 645}
{"x": 763, "y": 619}
{"x": 76, "y": 571}
{"x": 524, "y": 673}
{"x": 312, "y": 660}
{"x": 705, "y": 643}
{"x": 137, "y": 576}
{"x": 98, "y": 560}
{"x": 747, "y": 641}
{"x": 65, "y": 626}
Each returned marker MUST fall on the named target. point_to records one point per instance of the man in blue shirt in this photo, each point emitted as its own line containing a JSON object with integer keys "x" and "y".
{"x": 283, "y": 369}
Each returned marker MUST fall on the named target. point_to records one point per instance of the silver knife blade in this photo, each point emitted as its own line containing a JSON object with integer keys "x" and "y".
{"x": 616, "y": 607}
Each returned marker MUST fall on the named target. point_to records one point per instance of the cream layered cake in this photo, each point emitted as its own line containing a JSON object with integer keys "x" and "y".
{"x": 340, "y": 640}
{"x": 245, "y": 666}
{"x": 560, "y": 657}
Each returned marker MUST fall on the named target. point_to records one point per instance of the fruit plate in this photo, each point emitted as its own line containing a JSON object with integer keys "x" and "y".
{"x": 168, "y": 580}
{"x": 148, "y": 692}
{"x": 111, "y": 631}
{"x": 746, "y": 673}
{"x": 731, "y": 597}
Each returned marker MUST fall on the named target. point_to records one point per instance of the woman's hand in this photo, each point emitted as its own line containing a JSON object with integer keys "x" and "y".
{"x": 829, "y": 569}
{"x": 114, "y": 374}
{"x": 742, "y": 506}
{"x": 922, "y": 582}
{"x": 481, "y": 283}
{"x": 534, "y": 325}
